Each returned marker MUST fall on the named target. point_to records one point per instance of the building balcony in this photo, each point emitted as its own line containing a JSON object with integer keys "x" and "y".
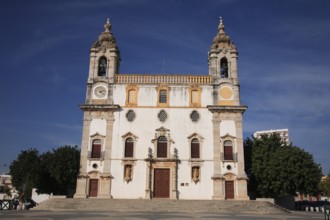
{"x": 96, "y": 157}
{"x": 231, "y": 158}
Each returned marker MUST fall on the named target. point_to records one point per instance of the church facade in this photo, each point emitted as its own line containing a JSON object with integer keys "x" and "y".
{"x": 162, "y": 136}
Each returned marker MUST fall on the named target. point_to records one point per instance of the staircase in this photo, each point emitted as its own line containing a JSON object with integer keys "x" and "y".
{"x": 159, "y": 205}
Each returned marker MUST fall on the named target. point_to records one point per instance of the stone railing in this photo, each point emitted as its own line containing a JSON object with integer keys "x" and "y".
{"x": 164, "y": 79}
{"x": 101, "y": 156}
{"x": 233, "y": 157}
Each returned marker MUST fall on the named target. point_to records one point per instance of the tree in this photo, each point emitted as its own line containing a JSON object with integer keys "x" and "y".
{"x": 61, "y": 167}
{"x": 325, "y": 186}
{"x": 51, "y": 172}
{"x": 25, "y": 170}
{"x": 278, "y": 169}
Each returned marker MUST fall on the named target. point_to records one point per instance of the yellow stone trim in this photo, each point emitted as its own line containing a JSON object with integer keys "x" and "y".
{"x": 226, "y": 92}
{"x": 198, "y": 89}
{"x": 131, "y": 87}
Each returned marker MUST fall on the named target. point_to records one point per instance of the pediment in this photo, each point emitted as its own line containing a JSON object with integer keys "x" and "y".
{"x": 227, "y": 136}
{"x": 129, "y": 134}
{"x": 97, "y": 134}
{"x": 195, "y": 135}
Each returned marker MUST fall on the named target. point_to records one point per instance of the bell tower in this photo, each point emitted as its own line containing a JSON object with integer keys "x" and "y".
{"x": 227, "y": 114}
{"x": 222, "y": 59}
{"x": 104, "y": 56}
{"x": 99, "y": 109}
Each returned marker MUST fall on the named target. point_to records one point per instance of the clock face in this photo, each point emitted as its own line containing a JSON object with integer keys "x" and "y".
{"x": 100, "y": 91}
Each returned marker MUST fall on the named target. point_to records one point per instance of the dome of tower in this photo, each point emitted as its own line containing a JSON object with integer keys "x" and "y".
{"x": 106, "y": 38}
{"x": 222, "y": 40}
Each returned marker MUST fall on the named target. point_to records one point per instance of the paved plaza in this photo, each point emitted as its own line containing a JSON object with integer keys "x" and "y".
{"x": 96, "y": 215}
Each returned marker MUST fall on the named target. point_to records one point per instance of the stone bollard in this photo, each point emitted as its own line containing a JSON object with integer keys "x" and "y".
{"x": 316, "y": 209}
{"x": 322, "y": 209}
{"x": 306, "y": 208}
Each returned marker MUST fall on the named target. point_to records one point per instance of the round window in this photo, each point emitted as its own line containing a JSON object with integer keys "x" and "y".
{"x": 194, "y": 115}
{"x": 130, "y": 115}
{"x": 162, "y": 116}
{"x": 95, "y": 166}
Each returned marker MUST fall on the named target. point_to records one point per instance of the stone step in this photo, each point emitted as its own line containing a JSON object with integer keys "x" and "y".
{"x": 126, "y": 205}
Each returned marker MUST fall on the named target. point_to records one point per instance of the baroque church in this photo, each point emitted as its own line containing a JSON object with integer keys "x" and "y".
{"x": 162, "y": 136}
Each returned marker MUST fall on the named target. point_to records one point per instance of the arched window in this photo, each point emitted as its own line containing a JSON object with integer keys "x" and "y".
{"x": 96, "y": 149}
{"x": 162, "y": 96}
{"x": 224, "y": 68}
{"x": 132, "y": 96}
{"x": 228, "y": 150}
{"x": 129, "y": 147}
{"x": 102, "y": 67}
{"x": 162, "y": 147}
{"x": 195, "y": 148}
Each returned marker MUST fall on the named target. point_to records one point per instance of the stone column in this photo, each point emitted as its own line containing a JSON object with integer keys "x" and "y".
{"x": 241, "y": 176}
{"x": 217, "y": 177}
{"x": 81, "y": 189}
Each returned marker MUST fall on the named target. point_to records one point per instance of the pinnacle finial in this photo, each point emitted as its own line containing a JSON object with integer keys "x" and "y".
{"x": 221, "y": 26}
{"x": 107, "y": 26}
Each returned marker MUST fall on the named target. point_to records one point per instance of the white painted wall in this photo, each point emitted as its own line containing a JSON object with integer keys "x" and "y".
{"x": 180, "y": 127}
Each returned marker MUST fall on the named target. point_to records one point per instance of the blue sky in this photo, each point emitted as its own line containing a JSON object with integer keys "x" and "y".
{"x": 284, "y": 62}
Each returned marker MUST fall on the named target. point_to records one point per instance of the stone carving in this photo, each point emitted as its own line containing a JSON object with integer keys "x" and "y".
{"x": 195, "y": 174}
{"x": 128, "y": 173}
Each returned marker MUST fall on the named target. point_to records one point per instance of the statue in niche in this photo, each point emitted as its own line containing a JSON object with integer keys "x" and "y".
{"x": 195, "y": 174}
{"x": 128, "y": 173}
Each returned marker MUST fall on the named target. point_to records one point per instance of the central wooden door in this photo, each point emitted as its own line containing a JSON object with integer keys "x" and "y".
{"x": 93, "y": 187}
{"x": 229, "y": 187}
{"x": 161, "y": 183}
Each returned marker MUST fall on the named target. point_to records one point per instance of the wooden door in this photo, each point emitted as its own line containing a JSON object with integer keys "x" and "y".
{"x": 93, "y": 187}
{"x": 162, "y": 183}
{"x": 229, "y": 187}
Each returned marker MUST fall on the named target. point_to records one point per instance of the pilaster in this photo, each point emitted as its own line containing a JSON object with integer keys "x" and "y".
{"x": 81, "y": 189}
{"x": 241, "y": 176}
{"x": 217, "y": 177}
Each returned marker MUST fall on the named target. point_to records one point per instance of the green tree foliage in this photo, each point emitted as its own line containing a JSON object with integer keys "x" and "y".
{"x": 25, "y": 170}
{"x": 63, "y": 167}
{"x": 325, "y": 186}
{"x": 51, "y": 172}
{"x": 277, "y": 169}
